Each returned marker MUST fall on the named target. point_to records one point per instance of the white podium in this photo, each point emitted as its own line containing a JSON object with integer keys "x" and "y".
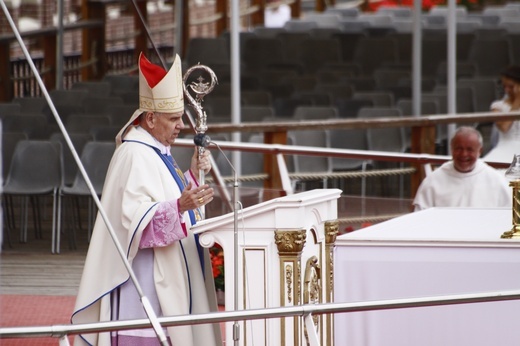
{"x": 429, "y": 253}
{"x": 285, "y": 259}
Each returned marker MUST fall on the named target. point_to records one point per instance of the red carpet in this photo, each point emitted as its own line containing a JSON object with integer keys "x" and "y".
{"x": 29, "y": 311}
{"x": 18, "y": 310}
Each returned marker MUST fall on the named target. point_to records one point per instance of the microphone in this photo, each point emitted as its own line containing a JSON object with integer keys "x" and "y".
{"x": 201, "y": 140}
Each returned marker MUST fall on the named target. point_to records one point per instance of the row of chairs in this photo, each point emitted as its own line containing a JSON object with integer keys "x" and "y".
{"x": 36, "y": 170}
{"x": 355, "y": 52}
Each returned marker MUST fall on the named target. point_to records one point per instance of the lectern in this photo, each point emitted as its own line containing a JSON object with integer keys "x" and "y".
{"x": 285, "y": 258}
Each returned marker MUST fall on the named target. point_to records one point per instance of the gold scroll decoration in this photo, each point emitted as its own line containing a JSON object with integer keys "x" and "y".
{"x": 331, "y": 232}
{"x": 312, "y": 287}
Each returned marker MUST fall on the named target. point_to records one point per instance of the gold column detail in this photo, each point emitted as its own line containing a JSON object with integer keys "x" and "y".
{"x": 331, "y": 232}
{"x": 514, "y": 233}
{"x": 290, "y": 245}
{"x": 289, "y": 281}
{"x": 312, "y": 288}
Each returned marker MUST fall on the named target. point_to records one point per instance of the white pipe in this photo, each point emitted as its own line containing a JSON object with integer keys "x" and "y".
{"x": 416, "y": 59}
{"x": 452, "y": 67}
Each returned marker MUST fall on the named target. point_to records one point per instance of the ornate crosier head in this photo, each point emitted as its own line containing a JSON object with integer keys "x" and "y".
{"x": 200, "y": 88}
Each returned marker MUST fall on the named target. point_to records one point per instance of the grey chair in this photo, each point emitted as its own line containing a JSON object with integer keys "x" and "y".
{"x": 372, "y": 52}
{"x": 94, "y": 88}
{"x": 258, "y": 53}
{"x": 31, "y": 104}
{"x": 490, "y": 56}
{"x": 120, "y": 84}
{"x": 95, "y": 158}
{"x": 80, "y": 123}
{"x": 35, "y": 126}
{"x": 70, "y": 167}
{"x": 256, "y": 113}
{"x": 485, "y": 91}
{"x": 256, "y": 98}
{"x": 36, "y": 170}
{"x": 207, "y": 51}
{"x": 311, "y": 164}
{"x": 7, "y": 108}
{"x": 101, "y": 104}
{"x": 379, "y": 98}
{"x": 317, "y": 52}
{"x": 315, "y": 113}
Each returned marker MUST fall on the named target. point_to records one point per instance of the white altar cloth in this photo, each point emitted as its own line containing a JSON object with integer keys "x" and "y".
{"x": 438, "y": 251}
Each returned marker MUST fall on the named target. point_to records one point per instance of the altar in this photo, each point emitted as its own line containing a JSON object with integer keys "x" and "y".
{"x": 438, "y": 251}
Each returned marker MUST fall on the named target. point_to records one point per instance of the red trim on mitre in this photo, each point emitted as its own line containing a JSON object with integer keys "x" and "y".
{"x": 151, "y": 72}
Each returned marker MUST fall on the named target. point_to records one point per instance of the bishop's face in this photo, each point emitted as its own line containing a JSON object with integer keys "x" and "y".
{"x": 165, "y": 127}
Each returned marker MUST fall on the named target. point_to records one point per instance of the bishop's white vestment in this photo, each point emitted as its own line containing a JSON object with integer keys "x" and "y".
{"x": 137, "y": 181}
{"x": 483, "y": 187}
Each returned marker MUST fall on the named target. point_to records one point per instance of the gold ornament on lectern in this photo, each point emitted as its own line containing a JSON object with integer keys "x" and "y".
{"x": 513, "y": 174}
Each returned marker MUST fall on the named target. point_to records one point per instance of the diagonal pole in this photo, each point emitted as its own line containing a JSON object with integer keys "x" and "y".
{"x": 144, "y": 300}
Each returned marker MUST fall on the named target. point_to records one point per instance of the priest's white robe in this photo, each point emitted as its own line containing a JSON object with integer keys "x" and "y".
{"x": 483, "y": 187}
{"x": 137, "y": 180}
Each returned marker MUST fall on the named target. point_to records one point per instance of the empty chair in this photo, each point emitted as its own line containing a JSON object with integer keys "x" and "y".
{"x": 349, "y": 108}
{"x": 311, "y": 164}
{"x": 372, "y": 53}
{"x": 284, "y": 107}
{"x": 217, "y": 106}
{"x": 291, "y": 42}
{"x": 94, "y": 88}
{"x": 31, "y": 104}
{"x": 354, "y": 25}
{"x": 104, "y": 133}
{"x": 317, "y": 98}
{"x": 490, "y": 56}
{"x": 9, "y": 108}
{"x": 300, "y": 25}
{"x": 70, "y": 167}
{"x": 316, "y": 52}
{"x": 95, "y": 158}
{"x": 315, "y": 113}
{"x": 256, "y": 98}
{"x": 258, "y": 53}
{"x": 207, "y": 51}
{"x": 121, "y": 84}
{"x": 83, "y": 123}
{"x": 9, "y": 141}
{"x": 336, "y": 91}
{"x": 36, "y": 170}
{"x": 33, "y": 125}
{"x": 268, "y": 32}
{"x": 348, "y": 42}
{"x": 256, "y": 113}
{"x": 379, "y": 99}
{"x": 485, "y": 91}
{"x": 101, "y": 104}
{"x": 324, "y": 20}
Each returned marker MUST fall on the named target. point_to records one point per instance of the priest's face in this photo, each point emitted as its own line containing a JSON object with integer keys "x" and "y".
{"x": 465, "y": 150}
{"x": 166, "y": 127}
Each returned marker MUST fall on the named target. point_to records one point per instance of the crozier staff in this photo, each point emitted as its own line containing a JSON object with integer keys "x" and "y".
{"x": 152, "y": 205}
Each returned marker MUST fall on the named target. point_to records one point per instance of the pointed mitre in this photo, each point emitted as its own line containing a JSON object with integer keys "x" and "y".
{"x": 159, "y": 91}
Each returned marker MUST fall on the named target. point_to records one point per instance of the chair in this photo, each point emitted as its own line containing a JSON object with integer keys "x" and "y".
{"x": 101, "y": 104}
{"x": 70, "y": 167}
{"x": 35, "y": 126}
{"x": 256, "y": 113}
{"x": 349, "y": 108}
{"x": 121, "y": 84}
{"x": 94, "y": 88}
{"x": 299, "y": 25}
{"x": 104, "y": 133}
{"x": 207, "y": 51}
{"x": 256, "y": 98}
{"x": 9, "y": 142}
{"x": 31, "y": 104}
{"x": 311, "y": 164}
{"x": 95, "y": 158}
{"x": 258, "y": 53}
{"x": 285, "y": 107}
{"x": 372, "y": 53}
{"x": 83, "y": 123}
{"x": 9, "y": 108}
{"x": 379, "y": 98}
{"x": 348, "y": 42}
{"x": 490, "y": 56}
{"x": 485, "y": 91}
{"x": 36, "y": 170}
{"x": 315, "y": 113}
{"x": 336, "y": 91}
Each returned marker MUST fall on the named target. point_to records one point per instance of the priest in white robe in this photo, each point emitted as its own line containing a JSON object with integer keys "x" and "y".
{"x": 466, "y": 180}
{"x": 151, "y": 205}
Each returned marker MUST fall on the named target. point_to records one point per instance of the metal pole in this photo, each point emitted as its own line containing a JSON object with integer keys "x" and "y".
{"x": 59, "y": 48}
{"x": 144, "y": 300}
{"x": 416, "y": 59}
{"x": 235, "y": 77}
{"x": 452, "y": 68}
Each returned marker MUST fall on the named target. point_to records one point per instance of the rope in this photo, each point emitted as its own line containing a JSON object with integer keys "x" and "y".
{"x": 369, "y": 219}
{"x": 323, "y": 175}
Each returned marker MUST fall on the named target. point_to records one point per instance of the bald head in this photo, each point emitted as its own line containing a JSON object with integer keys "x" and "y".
{"x": 466, "y": 148}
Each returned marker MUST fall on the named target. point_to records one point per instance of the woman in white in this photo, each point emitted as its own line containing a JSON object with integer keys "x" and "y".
{"x": 508, "y": 131}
